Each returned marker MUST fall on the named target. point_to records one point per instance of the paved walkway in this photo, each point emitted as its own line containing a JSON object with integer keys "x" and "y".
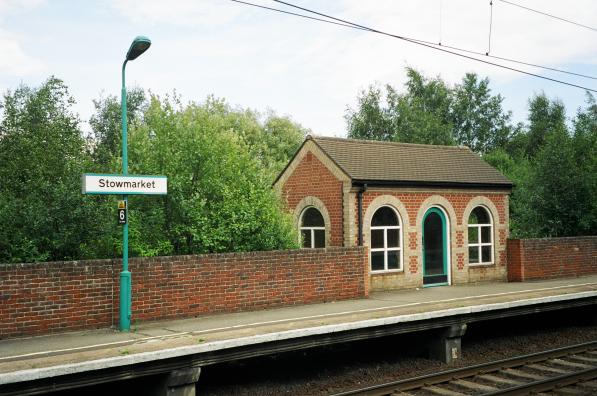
{"x": 207, "y": 333}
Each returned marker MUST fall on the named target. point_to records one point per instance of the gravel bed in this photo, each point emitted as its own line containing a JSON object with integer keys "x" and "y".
{"x": 323, "y": 371}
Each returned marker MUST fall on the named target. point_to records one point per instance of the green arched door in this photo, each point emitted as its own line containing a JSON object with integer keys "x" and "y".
{"x": 435, "y": 248}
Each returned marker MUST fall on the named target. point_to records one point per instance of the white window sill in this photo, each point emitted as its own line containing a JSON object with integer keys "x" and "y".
{"x": 480, "y": 264}
{"x": 382, "y": 272}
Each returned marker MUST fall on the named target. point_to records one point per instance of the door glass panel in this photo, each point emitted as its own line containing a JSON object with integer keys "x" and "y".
{"x": 393, "y": 239}
{"x": 376, "y": 239}
{"x": 473, "y": 235}
{"x": 319, "y": 238}
{"x": 473, "y": 254}
{"x": 486, "y": 254}
{"x": 485, "y": 235}
{"x": 306, "y": 236}
{"x": 377, "y": 261}
{"x": 434, "y": 244}
{"x": 394, "y": 259}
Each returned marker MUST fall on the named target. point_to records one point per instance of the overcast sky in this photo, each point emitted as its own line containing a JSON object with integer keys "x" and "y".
{"x": 308, "y": 70}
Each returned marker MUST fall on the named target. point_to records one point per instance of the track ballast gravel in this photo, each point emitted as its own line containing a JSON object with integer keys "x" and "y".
{"x": 323, "y": 371}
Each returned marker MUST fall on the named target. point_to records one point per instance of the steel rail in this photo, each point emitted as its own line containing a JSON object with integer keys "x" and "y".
{"x": 484, "y": 368}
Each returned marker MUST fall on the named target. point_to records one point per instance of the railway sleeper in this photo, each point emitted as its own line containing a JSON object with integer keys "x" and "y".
{"x": 590, "y": 385}
{"x": 570, "y": 391}
{"x": 586, "y": 359}
{"x": 436, "y": 390}
{"x": 542, "y": 367}
{"x": 567, "y": 363}
{"x": 523, "y": 374}
{"x": 474, "y": 386}
{"x": 500, "y": 380}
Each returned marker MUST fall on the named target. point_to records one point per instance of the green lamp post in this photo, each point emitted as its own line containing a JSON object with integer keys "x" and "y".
{"x": 139, "y": 45}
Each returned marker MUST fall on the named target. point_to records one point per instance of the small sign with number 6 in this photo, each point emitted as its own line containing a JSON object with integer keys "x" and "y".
{"x": 122, "y": 218}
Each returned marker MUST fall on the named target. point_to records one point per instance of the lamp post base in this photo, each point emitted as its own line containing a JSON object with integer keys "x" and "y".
{"x": 125, "y": 301}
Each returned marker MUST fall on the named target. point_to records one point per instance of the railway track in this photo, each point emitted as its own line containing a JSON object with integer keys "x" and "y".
{"x": 567, "y": 371}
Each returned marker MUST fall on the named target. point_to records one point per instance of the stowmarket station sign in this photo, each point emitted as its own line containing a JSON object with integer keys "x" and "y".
{"x": 95, "y": 183}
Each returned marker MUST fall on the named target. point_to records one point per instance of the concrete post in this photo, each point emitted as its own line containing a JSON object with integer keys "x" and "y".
{"x": 447, "y": 346}
{"x": 178, "y": 383}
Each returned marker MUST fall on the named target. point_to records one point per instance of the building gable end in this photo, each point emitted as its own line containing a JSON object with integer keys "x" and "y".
{"x": 309, "y": 146}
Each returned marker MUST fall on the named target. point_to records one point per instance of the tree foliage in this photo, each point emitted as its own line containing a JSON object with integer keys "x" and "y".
{"x": 220, "y": 163}
{"x": 431, "y": 112}
{"x": 421, "y": 115}
{"x": 477, "y": 116}
{"x": 106, "y": 124}
{"x": 42, "y": 156}
{"x": 552, "y": 165}
{"x": 220, "y": 198}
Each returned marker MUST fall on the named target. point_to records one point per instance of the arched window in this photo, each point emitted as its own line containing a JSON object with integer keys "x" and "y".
{"x": 480, "y": 237}
{"x": 312, "y": 229}
{"x": 386, "y": 240}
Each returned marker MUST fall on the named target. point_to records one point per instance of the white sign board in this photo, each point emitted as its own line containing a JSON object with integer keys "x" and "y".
{"x": 94, "y": 183}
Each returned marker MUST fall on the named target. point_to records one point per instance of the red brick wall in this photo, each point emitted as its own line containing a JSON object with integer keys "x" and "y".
{"x": 551, "y": 258}
{"x": 413, "y": 200}
{"x": 312, "y": 178}
{"x": 43, "y": 298}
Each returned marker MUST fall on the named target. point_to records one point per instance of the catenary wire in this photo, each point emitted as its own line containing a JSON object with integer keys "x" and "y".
{"x": 549, "y": 15}
{"x": 433, "y": 46}
{"x": 295, "y": 14}
{"x": 421, "y": 41}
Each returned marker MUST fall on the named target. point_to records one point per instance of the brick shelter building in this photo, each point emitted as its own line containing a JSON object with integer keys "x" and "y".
{"x": 430, "y": 215}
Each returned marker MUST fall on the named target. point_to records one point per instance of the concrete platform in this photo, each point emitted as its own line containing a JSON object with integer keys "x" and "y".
{"x": 76, "y": 359}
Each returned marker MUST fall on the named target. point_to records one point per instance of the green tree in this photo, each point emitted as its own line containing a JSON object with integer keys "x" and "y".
{"x": 220, "y": 198}
{"x": 545, "y": 117}
{"x": 42, "y": 155}
{"x": 420, "y": 115}
{"x": 555, "y": 183}
{"x": 282, "y": 138}
{"x": 478, "y": 117}
{"x": 370, "y": 120}
{"x": 518, "y": 171}
{"x": 106, "y": 124}
{"x": 554, "y": 199}
{"x": 431, "y": 112}
{"x": 585, "y": 148}
{"x": 272, "y": 142}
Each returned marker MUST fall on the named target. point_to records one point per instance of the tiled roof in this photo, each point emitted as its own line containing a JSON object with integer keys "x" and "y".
{"x": 373, "y": 161}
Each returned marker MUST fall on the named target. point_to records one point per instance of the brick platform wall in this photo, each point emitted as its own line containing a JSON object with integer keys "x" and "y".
{"x": 42, "y": 298}
{"x": 551, "y": 258}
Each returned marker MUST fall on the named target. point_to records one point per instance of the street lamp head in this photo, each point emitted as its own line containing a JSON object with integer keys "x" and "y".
{"x": 138, "y": 46}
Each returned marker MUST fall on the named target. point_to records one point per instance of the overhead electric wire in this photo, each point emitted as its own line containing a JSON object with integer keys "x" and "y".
{"x": 510, "y": 60}
{"x": 295, "y": 14}
{"x": 433, "y": 46}
{"x": 549, "y": 15}
{"x": 418, "y": 40}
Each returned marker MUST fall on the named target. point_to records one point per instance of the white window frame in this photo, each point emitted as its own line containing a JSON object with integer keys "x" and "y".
{"x": 311, "y": 229}
{"x": 479, "y": 245}
{"x": 386, "y": 249}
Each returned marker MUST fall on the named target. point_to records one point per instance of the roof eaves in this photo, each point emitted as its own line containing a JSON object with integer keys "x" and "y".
{"x": 445, "y": 184}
